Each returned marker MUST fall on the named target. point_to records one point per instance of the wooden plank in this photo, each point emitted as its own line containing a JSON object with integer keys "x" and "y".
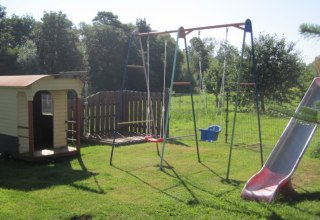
{"x": 97, "y": 113}
{"x": 107, "y": 103}
{"x": 137, "y": 106}
{"x": 81, "y": 115}
{"x": 144, "y": 109}
{"x": 102, "y": 112}
{"x": 133, "y": 122}
{"x": 138, "y": 109}
{"x": 113, "y": 110}
{"x": 125, "y": 110}
{"x": 153, "y": 111}
{"x": 91, "y": 117}
{"x": 131, "y": 110}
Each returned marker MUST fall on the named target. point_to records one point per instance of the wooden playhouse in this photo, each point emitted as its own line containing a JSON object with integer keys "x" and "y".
{"x": 34, "y": 121}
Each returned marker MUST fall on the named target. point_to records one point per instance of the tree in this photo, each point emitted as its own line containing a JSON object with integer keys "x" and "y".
{"x": 28, "y": 58}
{"x": 310, "y": 30}
{"x": 20, "y": 29}
{"x": 2, "y": 12}
{"x": 58, "y": 44}
{"x": 213, "y": 75}
{"x": 212, "y": 79}
{"x": 199, "y": 55}
{"x": 142, "y": 25}
{"x": 106, "y": 18}
{"x": 279, "y": 68}
{"x": 156, "y": 56}
{"x": 14, "y": 32}
{"x": 106, "y": 45}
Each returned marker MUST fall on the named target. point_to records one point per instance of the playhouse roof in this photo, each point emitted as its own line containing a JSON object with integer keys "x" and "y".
{"x": 23, "y": 81}
{"x": 20, "y": 81}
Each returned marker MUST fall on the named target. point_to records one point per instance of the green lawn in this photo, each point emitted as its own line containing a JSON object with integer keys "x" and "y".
{"x": 134, "y": 188}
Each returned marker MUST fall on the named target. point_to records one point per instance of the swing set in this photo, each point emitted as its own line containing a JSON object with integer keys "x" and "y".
{"x": 151, "y": 132}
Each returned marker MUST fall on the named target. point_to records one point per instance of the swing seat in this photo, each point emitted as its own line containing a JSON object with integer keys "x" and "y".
{"x": 213, "y": 132}
{"x": 154, "y": 140}
{"x": 204, "y": 134}
{"x": 210, "y": 134}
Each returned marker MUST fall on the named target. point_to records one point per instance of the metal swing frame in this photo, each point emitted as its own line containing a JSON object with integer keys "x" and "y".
{"x": 182, "y": 33}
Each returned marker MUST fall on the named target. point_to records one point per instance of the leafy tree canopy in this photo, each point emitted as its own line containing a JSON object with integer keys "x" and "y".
{"x": 106, "y": 18}
{"x": 2, "y": 12}
{"x": 58, "y": 44}
{"x": 14, "y": 32}
{"x": 310, "y": 30}
{"x": 279, "y": 67}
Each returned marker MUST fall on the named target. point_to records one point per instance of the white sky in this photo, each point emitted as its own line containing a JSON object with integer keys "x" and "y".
{"x": 281, "y": 17}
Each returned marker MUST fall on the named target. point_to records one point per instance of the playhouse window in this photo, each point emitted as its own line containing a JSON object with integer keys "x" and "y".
{"x": 46, "y": 104}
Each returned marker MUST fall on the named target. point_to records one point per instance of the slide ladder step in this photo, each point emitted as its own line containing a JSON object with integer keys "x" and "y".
{"x": 135, "y": 66}
{"x": 182, "y": 83}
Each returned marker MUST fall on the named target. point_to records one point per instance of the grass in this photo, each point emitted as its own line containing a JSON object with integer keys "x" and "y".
{"x": 134, "y": 188}
{"x": 87, "y": 187}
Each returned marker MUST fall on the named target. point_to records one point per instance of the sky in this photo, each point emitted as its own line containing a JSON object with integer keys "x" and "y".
{"x": 274, "y": 17}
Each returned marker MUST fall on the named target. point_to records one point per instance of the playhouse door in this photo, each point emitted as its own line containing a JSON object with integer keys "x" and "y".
{"x": 43, "y": 120}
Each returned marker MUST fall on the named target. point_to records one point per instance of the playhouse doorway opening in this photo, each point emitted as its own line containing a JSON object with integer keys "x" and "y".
{"x": 43, "y": 120}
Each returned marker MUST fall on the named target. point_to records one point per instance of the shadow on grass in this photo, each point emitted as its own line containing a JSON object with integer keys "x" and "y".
{"x": 235, "y": 183}
{"x": 223, "y": 180}
{"x": 28, "y": 176}
{"x": 148, "y": 184}
{"x": 177, "y": 142}
{"x": 294, "y": 197}
{"x": 193, "y": 201}
{"x": 232, "y": 206}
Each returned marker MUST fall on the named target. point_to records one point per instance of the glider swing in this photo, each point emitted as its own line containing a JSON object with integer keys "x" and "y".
{"x": 155, "y": 138}
{"x": 151, "y": 131}
{"x": 146, "y": 113}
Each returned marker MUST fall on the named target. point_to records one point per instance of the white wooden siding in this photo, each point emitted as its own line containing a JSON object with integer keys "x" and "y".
{"x": 23, "y": 130}
{"x": 59, "y": 118}
{"x": 8, "y": 108}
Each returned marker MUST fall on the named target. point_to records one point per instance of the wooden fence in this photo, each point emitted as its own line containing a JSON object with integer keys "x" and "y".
{"x": 99, "y": 116}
